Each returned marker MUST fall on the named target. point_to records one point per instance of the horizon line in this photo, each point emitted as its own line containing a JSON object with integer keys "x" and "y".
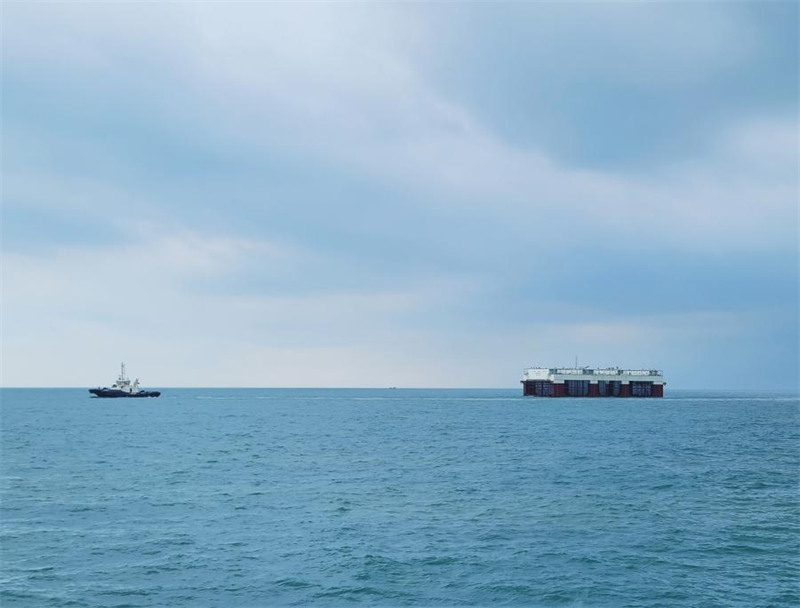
{"x": 442, "y": 388}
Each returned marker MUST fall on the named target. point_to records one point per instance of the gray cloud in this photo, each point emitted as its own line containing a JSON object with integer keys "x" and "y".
{"x": 302, "y": 182}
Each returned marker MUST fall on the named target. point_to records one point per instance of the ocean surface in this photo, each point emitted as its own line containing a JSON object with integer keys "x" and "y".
{"x": 271, "y": 497}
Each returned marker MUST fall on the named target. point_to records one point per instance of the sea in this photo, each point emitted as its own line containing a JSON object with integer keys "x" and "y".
{"x": 398, "y": 497}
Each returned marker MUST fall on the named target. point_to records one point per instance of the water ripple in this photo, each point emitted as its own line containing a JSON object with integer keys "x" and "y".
{"x": 223, "y": 497}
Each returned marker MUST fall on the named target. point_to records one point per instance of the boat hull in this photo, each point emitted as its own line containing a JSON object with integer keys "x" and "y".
{"x": 110, "y": 393}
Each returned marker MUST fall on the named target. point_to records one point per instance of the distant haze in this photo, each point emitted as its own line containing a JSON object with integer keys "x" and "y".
{"x": 399, "y": 194}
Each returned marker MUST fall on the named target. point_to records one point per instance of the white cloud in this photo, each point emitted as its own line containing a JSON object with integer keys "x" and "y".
{"x": 79, "y": 308}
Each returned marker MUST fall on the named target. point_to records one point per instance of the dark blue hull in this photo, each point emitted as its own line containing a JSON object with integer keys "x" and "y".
{"x": 110, "y": 393}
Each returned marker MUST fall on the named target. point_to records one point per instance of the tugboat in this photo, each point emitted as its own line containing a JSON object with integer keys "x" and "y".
{"x": 123, "y": 388}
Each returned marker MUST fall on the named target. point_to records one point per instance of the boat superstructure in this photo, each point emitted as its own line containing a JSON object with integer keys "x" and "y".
{"x": 592, "y": 382}
{"x": 123, "y": 387}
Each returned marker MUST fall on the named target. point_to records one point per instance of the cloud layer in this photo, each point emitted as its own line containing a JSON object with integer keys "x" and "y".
{"x": 417, "y": 195}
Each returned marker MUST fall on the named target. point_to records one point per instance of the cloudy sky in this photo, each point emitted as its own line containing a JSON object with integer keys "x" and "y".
{"x": 416, "y": 194}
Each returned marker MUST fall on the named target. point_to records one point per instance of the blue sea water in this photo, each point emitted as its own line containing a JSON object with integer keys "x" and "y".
{"x": 267, "y": 497}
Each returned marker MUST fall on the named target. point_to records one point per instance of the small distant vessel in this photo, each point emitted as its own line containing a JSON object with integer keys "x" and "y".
{"x": 123, "y": 387}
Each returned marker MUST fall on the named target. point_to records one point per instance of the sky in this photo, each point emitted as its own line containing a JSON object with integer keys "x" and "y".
{"x": 399, "y": 194}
